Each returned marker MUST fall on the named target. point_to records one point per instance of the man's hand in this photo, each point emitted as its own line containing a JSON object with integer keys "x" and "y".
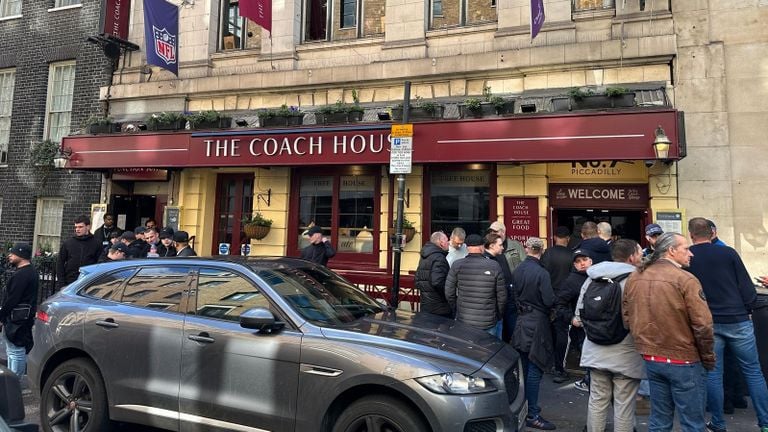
{"x": 576, "y": 322}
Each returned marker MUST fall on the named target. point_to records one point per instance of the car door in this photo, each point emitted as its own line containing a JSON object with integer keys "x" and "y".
{"x": 135, "y": 340}
{"x": 231, "y": 376}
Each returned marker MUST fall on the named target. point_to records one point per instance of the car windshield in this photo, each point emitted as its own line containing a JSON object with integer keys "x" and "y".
{"x": 319, "y": 295}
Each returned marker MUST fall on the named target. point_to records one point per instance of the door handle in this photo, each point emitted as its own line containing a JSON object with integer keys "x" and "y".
{"x": 107, "y": 323}
{"x": 202, "y": 337}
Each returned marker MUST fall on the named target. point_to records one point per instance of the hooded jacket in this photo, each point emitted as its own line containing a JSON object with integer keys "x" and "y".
{"x": 599, "y": 249}
{"x": 475, "y": 290}
{"x": 430, "y": 280}
{"x": 75, "y": 253}
{"x": 622, "y": 357}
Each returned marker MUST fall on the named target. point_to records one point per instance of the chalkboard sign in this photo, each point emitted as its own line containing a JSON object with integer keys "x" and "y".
{"x": 171, "y": 217}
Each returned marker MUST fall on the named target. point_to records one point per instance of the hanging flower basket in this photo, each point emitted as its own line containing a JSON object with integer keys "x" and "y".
{"x": 256, "y": 232}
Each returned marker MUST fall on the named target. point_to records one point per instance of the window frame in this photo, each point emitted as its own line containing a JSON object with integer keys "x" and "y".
{"x": 463, "y": 12}
{"x": 39, "y": 220}
{"x": 354, "y": 14}
{"x": 603, "y": 7}
{"x": 328, "y": 22}
{"x": 5, "y": 9}
{"x": 61, "y": 4}
{"x": 53, "y": 68}
{"x": 6, "y": 102}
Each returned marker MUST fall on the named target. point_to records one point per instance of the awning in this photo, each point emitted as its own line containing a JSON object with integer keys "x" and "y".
{"x": 536, "y": 138}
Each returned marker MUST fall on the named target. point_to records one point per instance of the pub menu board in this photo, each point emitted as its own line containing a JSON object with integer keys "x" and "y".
{"x": 521, "y": 218}
{"x": 171, "y": 218}
{"x": 671, "y": 220}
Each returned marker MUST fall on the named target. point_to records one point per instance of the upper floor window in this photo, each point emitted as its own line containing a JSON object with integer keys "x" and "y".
{"x": 62, "y": 3}
{"x": 457, "y": 13}
{"x": 580, "y": 5}
{"x": 7, "y": 80}
{"x": 236, "y": 32}
{"x": 61, "y": 86}
{"x": 9, "y": 8}
{"x": 348, "y": 13}
{"x": 351, "y": 19}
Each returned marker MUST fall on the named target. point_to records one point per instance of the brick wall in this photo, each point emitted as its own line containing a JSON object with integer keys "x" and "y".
{"x": 29, "y": 44}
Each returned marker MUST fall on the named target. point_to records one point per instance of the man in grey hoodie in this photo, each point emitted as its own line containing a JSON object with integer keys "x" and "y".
{"x": 616, "y": 370}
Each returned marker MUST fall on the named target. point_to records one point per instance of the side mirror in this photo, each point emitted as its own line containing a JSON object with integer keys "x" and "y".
{"x": 260, "y": 319}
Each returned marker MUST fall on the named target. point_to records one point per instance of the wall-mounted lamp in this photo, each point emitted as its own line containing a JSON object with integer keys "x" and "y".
{"x": 61, "y": 157}
{"x": 267, "y": 200}
{"x": 661, "y": 144}
{"x": 384, "y": 116}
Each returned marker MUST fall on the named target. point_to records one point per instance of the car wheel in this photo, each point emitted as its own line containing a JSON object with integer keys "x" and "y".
{"x": 379, "y": 414}
{"x": 73, "y": 399}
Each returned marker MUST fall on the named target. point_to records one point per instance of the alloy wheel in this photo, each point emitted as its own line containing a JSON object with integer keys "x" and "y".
{"x": 70, "y": 403}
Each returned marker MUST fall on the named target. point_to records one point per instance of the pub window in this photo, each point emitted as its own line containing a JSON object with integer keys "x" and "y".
{"x": 581, "y": 5}
{"x": 460, "y": 198}
{"x": 344, "y": 204}
{"x": 236, "y": 32}
{"x": 457, "y": 13}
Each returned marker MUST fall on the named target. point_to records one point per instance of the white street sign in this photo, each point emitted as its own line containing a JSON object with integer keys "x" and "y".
{"x": 400, "y": 156}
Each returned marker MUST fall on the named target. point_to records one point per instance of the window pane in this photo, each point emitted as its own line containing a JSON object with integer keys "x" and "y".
{"x": 460, "y": 199}
{"x": 107, "y": 287}
{"x": 62, "y": 80}
{"x": 226, "y": 295}
{"x": 7, "y": 82}
{"x": 480, "y": 11}
{"x": 48, "y": 224}
{"x": 373, "y": 18}
{"x": 62, "y": 3}
{"x": 592, "y": 4}
{"x": 348, "y": 13}
{"x": 315, "y": 204}
{"x": 448, "y": 14}
{"x": 157, "y": 288}
{"x": 316, "y": 19}
{"x": 356, "y": 200}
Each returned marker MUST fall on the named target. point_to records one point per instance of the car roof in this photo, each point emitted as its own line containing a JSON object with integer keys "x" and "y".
{"x": 255, "y": 263}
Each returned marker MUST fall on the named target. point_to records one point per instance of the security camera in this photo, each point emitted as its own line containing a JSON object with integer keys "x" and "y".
{"x": 649, "y": 163}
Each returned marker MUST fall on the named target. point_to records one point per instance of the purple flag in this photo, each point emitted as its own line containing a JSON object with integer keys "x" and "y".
{"x": 161, "y": 34}
{"x": 537, "y": 17}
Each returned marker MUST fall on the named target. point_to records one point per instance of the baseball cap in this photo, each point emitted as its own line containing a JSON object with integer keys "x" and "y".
{"x": 139, "y": 230}
{"x": 120, "y": 247}
{"x": 21, "y": 250}
{"x": 581, "y": 253}
{"x": 128, "y": 235}
{"x": 653, "y": 229}
{"x": 314, "y": 230}
{"x": 166, "y": 233}
{"x": 562, "y": 232}
{"x": 534, "y": 243}
{"x": 474, "y": 240}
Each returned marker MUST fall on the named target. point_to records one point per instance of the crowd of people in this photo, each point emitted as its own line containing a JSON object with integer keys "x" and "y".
{"x": 650, "y": 324}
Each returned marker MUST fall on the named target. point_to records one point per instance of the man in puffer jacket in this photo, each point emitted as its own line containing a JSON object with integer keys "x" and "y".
{"x": 431, "y": 273}
{"x": 475, "y": 289}
{"x": 81, "y": 250}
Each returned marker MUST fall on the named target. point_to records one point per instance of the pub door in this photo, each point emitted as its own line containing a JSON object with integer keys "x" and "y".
{"x": 624, "y": 223}
{"x": 234, "y": 200}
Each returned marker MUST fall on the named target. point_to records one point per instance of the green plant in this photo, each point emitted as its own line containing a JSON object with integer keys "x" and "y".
{"x": 406, "y": 223}
{"x": 257, "y": 219}
{"x": 616, "y": 91}
{"x": 98, "y": 120}
{"x": 473, "y": 104}
{"x": 428, "y": 106}
{"x": 210, "y": 116}
{"x": 42, "y": 153}
{"x": 340, "y": 108}
{"x": 166, "y": 118}
{"x": 578, "y": 93}
{"x": 283, "y": 111}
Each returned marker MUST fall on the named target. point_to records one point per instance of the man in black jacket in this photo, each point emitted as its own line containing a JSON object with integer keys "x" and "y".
{"x": 103, "y": 233}
{"x": 431, "y": 273}
{"x": 181, "y": 240}
{"x": 533, "y": 336}
{"x": 81, "y": 250}
{"x": 591, "y": 241}
{"x": 475, "y": 289}
{"x": 17, "y": 313}
{"x": 319, "y": 250}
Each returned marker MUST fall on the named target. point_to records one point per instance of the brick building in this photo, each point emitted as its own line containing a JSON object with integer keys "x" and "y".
{"x": 534, "y": 171}
{"x": 49, "y": 84}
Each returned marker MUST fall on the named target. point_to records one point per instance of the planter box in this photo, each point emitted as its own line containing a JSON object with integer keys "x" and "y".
{"x": 418, "y": 114}
{"x": 561, "y": 104}
{"x": 222, "y": 123}
{"x": 350, "y": 117}
{"x": 179, "y": 125}
{"x": 487, "y": 109}
{"x": 95, "y": 129}
{"x": 281, "y": 121}
{"x": 626, "y": 100}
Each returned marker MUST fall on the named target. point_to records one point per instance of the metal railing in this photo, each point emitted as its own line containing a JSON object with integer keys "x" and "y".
{"x": 46, "y": 268}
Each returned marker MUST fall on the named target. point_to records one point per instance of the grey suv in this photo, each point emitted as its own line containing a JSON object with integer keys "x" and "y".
{"x": 259, "y": 344}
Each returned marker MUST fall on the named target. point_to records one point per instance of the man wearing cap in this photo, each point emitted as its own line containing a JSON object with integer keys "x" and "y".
{"x": 116, "y": 252}
{"x": 319, "y": 250}
{"x": 166, "y": 248}
{"x": 533, "y": 334}
{"x": 17, "y": 313}
{"x": 475, "y": 289}
{"x": 652, "y": 233}
{"x": 81, "y": 250}
{"x": 181, "y": 238}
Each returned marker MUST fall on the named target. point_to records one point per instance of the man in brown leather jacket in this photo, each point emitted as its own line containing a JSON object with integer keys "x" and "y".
{"x": 667, "y": 314}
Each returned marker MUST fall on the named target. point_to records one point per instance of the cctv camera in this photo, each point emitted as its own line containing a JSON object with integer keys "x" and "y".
{"x": 649, "y": 163}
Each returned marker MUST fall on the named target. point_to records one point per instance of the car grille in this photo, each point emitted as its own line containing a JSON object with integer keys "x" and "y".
{"x": 512, "y": 382}
{"x": 480, "y": 426}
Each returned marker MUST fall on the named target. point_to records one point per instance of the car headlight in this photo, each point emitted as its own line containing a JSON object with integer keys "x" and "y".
{"x": 456, "y": 383}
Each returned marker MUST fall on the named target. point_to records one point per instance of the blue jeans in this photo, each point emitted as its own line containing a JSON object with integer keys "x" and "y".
{"x": 532, "y": 380}
{"x": 676, "y": 387}
{"x": 740, "y": 339}
{"x": 495, "y": 330}
{"x": 17, "y": 357}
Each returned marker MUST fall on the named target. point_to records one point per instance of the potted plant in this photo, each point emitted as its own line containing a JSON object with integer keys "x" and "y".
{"x": 339, "y": 113}
{"x": 490, "y": 105}
{"x": 42, "y": 153}
{"x": 97, "y": 124}
{"x": 421, "y": 110}
{"x": 621, "y": 97}
{"x": 256, "y": 226}
{"x": 613, "y": 97}
{"x": 211, "y": 119}
{"x": 408, "y": 230}
{"x": 166, "y": 121}
{"x": 283, "y": 116}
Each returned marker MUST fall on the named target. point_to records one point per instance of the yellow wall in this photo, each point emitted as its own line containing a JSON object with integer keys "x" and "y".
{"x": 278, "y": 179}
{"x": 197, "y": 195}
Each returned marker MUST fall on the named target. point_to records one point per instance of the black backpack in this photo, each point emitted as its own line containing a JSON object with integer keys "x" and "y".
{"x": 601, "y": 314}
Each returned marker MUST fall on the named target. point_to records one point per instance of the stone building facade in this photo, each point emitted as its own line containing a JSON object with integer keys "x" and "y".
{"x": 44, "y": 56}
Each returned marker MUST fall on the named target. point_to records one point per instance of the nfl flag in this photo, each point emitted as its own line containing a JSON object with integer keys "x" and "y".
{"x": 161, "y": 34}
{"x": 258, "y": 11}
{"x": 537, "y": 17}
